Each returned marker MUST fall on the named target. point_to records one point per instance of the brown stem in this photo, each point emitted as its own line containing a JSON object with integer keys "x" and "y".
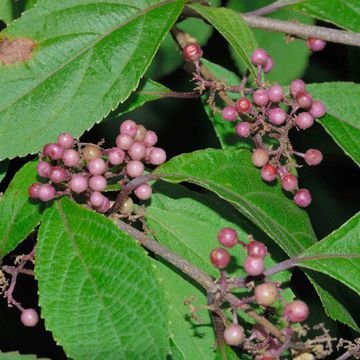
{"x": 272, "y": 7}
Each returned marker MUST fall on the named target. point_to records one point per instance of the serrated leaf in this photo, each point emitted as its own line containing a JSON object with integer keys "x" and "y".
{"x": 343, "y": 13}
{"x": 14, "y": 355}
{"x": 232, "y": 176}
{"x": 19, "y": 214}
{"x": 89, "y": 56}
{"x": 97, "y": 289}
{"x": 3, "y": 168}
{"x": 233, "y": 28}
{"x": 342, "y": 121}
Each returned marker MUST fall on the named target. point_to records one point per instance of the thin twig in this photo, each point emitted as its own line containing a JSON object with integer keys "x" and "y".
{"x": 272, "y": 7}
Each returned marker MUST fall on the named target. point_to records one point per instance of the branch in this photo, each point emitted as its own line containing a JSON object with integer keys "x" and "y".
{"x": 272, "y": 7}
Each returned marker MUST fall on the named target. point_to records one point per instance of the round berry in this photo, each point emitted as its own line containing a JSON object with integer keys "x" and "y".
{"x": 243, "y": 105}
{"x": 260, "y": 97}
{"x": 53, "y": 151}
{"x": 297, "y": 87}
{"x": 135, "y": 168}
{"x": 91, "y": 152}
{"x": 124, "y": 141}
{"x": 269, "y": 173}
{"x": 97, "y": 166}
{"x": 143, "y": 192}
{"x": 29, "y": 317}
{"x": 150, "y": 138}
{"x": 220, "y": 258}
{"x": 97, "y": 183}
{"x": 315, "y": 44}
{"x": 127, "y": 206}
{"x": 243, "y": 129}
{"x": 296, "y": 311}
{"x": 265, "y": 294}
{"x": 157, "y": 156}
{"x": 137, "y": 151}
{"x": 304, "y": 120}
{"x": 46, "y": 192}
{"x": 78, "y": 183}
{"x": 234, "y": 335}
{"x": 116, "y": 156}
{"x": 289, "y": 182}
{"x": 128, "y": 127}
{"x": 317, "y": 109}
{"x": 192, "y": 52}
{"x": 57, "y": 174}
{"x": 140, "y": 133}
{"x": 260, "y": 157}
{"x": 71, "y": 157}
{"x": 302, "y": 198}
{"x": 313, "y": 157}
{"x": 96, "y": 198}
{"x": 34, "y": 190}
{"x": 283, "y": 170}
{"x": 105, "y": 206}
{"x": 254, "y": 265}
{"x": 275, "y": 93}
{"x": 43, "y": 169}
{"x": 228, "y": 237}
{"x": 269, "y": 65}
{"x": 259, "y": 57}
{"x": 65, "y": 140}
{"x": 304, "y": 100}
{"x": 256, "y": 248}
{"x": 229, "y": 113}
{"x": 277, "y": 116}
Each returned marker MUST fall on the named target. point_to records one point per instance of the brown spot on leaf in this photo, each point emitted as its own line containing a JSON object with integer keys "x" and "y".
{"x": 15, "y": 50}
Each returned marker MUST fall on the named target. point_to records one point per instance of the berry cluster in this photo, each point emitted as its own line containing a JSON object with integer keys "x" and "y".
{"x": 83, "y": 171}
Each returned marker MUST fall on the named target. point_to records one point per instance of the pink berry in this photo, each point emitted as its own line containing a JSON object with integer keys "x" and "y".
{"x": 297, "y": 87}
{"x": 29, "y": 317}
{"x": 265, "y": 294}
{"x": 256, "y": 248}
{"x": 243, "y": 129}
{"x": 259, "y": 57}
{"x": 78, "y": 183}
{"x": 229, "y": 113}
{"x": 34, "y": 190}
{"x": 128, "y": 127}
{"x": 243, "y": 105}
{"x": 150, "y": 138}
{"x": 124, "y": 141}
{"x": 315, "y": 44}
{"x": 137, "y": 151}
{"x": 53, "y": 151}
{"x": 192, "y": 52}
{"x": 317, "y": 109}
{"x": 302, "y": 198}
{"x": 140, "y": 133}
{"x": 234, "y": 335}
{"x": 275, "y": 93}
{"x": 143, "y": 192}
{"x": 116, "y": 156}
{"x": 304, "y": 100}
{"x": 313, "y": 157}
{"x": 254, "y": 265}
{"x": 269, "y": 173}
{"x": 65, "y": 140}
{"x": 46, "y": 192}
{"x": 296, "y": 311}
{"x": 260, "y": 157}
{"x": 220, "y": 258}
{"x": 157, "y": 156}
{"x": 91, "y": 152}
{"x": 304, "y": 120}
{"x": 105, "y": 205}
{"x": 135, "y": 168}
{"x": 228, "y": 237}
{"x": 57, "y": 174}
{"x": 269, "y": 65}
{"x": 277, "y": 116}
{"x": 43, "y": 169}
{"x": 260, "y": 97}
{"x": 97, "y": 183}
{"x": 97, "y": 166}
{"x": 289, "y": 182}
{"x": 96, "y": 198}
{"x": 71, "y": 157}
{"x": 283, "y": 170}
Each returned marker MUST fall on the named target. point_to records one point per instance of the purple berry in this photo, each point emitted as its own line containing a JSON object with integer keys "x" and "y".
{"x": 71, "y": 158}
{"x": 192, "y": 52}
{"x": 269, "y": 65}
{"x": 78, "y": 183}
{"x": 157, "y": 156}
{"x": 243, "y": 105}
{"x": 29, "y": 317}
{"x": 315, "y": 44}
{"x": 134, "y": 168}
{"x": 269, "y": 173}
{"x": 128, "y": 127}
{"x": 124, "y": 141}
{"x": 254, "y": 265}
{"x": 296, "y": 311}
{"x": 140, "y": 133}
{"x": 96, "y": 199}
{"x": 283, "y": 170}
{"x": 302, "y": 198}
{"x": 150, "y": 138}
{"x": 34, "y": 190}
{"x": 243, "y": 129}
{"x": 97, "y": 183}
{"x": 46, "y": 192}
{"x": 259, "y": 57}
{"x": 143, "y": 192}
{"x": 43, "y": 169}
{"x": 234, "y": 335}
{"x": 260, "y": 157}
{"x": 116, "y": 156}
{"x": 317, "y": 109}
{"x": 228, "y": 237}
{"x": 65, "y": 140}
{"x": 57, "y": 174}
{"x": 289, "y": 182}
{"x": 265, "y": 294}
{"x": 229, "y": 113}
{"x": 137, "y": 151}
{"x": 220, "y": 258}
{"x": 275, "y": 93}
{"x": 97, "y": 166}
{"x": 304, "y": 100}
{"x": 260, "y": 97}
{"x": 53, "y": 151}
{"x": 91, "y": 152}
{"x": 313, "y": 157}
{"x": 105, "y": 206}
{"x": 297, "y": 87}
{"x": 304, "y": 120}
{"x": 277, "y": 116}
{"x": 256, "y": 248}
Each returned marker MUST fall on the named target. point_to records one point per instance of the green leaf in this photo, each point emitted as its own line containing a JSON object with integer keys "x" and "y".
{"x": 233, "y": 28}
{"x": 342, "y": 121}
{"x": 290, "y": 58}
{"x": 97, "y": 289}
{"x": 6, "y": 11}
{"x": 19, "y": 214}
{"x": 14, "y": 355}
{"x": 232, "y": 176}
{"x": 95, "y": 54}
{"x": 3, "y": 168}
{"x": 343, "y": 13}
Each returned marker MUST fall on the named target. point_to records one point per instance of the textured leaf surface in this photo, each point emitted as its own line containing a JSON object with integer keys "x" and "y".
{"x": 17, "y": 356}
{"x": 233, "y": 28}
{"x": 89, "y": 56}
{"x": 343, "y": 119}
{"x": 344, "y": 13}
{"x": 231, "y": 175}
{"x": 19, "y": 214}
{"x": 97, "y": 289}
{"x": 3, "y": 168}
